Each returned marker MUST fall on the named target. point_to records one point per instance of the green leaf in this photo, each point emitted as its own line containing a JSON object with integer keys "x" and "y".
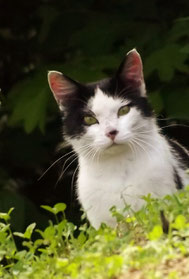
{"x": 156, "y": 100}
{"x": 3, "y": 236}
{"x": 29, "y": 231}
{"x": 166, "y": 60}
{"x": 156, "y": 233}
{"x": 49, "y": 233}
{"x": 81, "y": 238}
{"x": 180, "y": 222}
{"x": 179, "y": 29}
{"x": 4, "y": 216}
{"x": 10, "y": 211}
{"x": 29, "y": 101}
{"x": 61, "y": 262}
{"x": 48, "y": 208}
{"x": 59, "y": 207}
{"x": 176, "y": 102}
{"x": 19, "y": 234}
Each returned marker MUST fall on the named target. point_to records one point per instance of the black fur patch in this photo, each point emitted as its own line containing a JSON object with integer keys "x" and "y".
{"x": 181, "y": 152}
{"x": 178, "y": 180}
{"x": 74, "y": 112}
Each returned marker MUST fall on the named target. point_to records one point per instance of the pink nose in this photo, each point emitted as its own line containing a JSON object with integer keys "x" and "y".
{"x": 112, "y": 134}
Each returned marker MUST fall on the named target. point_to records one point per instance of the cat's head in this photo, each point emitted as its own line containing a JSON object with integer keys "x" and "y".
{"x": 108, "y": 115}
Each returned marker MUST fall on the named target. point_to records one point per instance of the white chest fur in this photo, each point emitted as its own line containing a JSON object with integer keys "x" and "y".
{"x": 121, "y": 179}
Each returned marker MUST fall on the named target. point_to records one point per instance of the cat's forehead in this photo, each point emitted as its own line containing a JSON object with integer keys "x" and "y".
{"x": 101, "y": 102}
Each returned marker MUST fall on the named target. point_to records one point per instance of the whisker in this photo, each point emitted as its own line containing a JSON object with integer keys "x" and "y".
{"x": 142, "y": 139}
{"x": 143, "y": 132}
{"x": 94, "y": 155}
{"x": 72, "y": 181}
{"x": 136, "y": 141}
{"x": 146, "y": 142}
{"x": 54, "y": 163}
{"x": 133, "y": 150}
{"x": 89, "y": 154}
{"x": 142, "y": 128}
{"x": 175, "y": 125}
{"x": 73, "y": 155}
{"x": 81, "y": 149}
{"x": 149, "y": 145}
{"x": 99, "y": 154}
{"x": 60, "y": 177}
{"x": 135, "y": 147}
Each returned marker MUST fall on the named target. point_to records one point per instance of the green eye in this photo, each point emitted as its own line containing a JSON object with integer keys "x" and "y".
{"x": 90, "y": 120}
{"x": 123, "y": 110}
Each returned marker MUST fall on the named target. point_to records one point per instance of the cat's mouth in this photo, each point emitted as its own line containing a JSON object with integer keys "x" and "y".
{"x": 114, "y": 144}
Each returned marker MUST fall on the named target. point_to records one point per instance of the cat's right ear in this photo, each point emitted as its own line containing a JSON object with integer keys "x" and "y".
{"x": 62, "y": 87}
{"x": 130, "y": 71}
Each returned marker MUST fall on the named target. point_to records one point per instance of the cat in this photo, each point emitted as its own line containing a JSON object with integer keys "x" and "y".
{"x": 121, "y": 151}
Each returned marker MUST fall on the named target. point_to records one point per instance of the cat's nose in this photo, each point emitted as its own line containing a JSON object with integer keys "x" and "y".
{"x": 112, "y": 134}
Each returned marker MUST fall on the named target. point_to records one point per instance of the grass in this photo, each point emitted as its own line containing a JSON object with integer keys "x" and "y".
{"x": 137, "y": 248}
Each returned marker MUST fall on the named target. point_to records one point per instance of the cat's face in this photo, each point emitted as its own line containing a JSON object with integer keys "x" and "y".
{"x": 105, "y": 116}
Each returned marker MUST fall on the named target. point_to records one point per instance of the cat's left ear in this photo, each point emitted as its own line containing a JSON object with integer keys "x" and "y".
{"x": 130, "y": 71}
{"x": 63, "y": 88}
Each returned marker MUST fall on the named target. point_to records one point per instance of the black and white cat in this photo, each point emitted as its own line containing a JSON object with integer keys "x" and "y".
{"x": 122, "y": 154}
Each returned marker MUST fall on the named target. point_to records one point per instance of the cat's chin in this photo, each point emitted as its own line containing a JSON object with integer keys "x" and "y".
{"x": 115, "y": 148}
{"x": 114, "y": 145}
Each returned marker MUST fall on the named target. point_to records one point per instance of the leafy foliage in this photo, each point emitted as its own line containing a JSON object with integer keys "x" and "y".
{"x": 30, "y": 107}
{"x": 136, "y": 248}
{"x": 90, "y": 49}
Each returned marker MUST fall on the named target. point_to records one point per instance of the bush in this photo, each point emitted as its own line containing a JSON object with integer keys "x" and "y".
{"x": 151, "y": 243}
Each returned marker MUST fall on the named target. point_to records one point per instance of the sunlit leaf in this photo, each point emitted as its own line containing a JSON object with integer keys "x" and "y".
{"x": 59, "y": 207}
{"x": 156, "y": 233}
{"x": 29, "y": 231}
{"x": 180, "y": 222}
{"x": 48, "y": 208}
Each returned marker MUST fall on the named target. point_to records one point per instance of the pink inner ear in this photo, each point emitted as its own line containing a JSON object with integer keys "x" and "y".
{"x": 133, "y": 68}
{"x": 61, "y": 86}
{"x": 56, "y": 83}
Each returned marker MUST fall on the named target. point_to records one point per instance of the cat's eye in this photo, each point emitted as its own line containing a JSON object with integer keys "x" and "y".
{"x": 90, "y": 120}
{"x": 123, "y": 110}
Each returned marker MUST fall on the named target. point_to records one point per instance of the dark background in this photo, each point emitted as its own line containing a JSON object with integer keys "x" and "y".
{"x": 86, "y": 40}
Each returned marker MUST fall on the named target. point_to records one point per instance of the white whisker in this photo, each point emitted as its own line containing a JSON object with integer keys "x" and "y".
{"x": 72, "y": 181}
{"x": 55, "y": 162}
{"x": 142, "y": 139}
{"x": 60, "y": 177}
{"x": 175, "y": 125}
{"x": 133, "y": 150}
{"x": 137, "y": 142}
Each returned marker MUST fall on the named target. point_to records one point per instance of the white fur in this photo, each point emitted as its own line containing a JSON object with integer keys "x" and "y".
{"x": 120, "y": 174}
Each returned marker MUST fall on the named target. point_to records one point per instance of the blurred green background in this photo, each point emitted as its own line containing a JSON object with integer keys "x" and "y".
{"x": 86, "y": 40}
